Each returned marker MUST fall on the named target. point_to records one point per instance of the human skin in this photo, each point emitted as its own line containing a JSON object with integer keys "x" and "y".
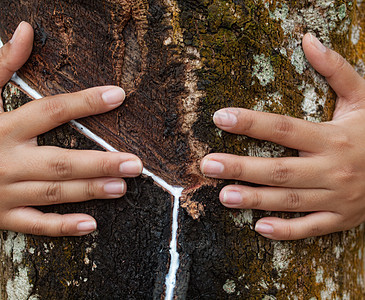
{"x": 34, "y": 176}
{"x": 327, "y": 180}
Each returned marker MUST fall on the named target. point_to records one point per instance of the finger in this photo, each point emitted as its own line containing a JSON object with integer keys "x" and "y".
{"x": 40, "y": 193}
{"x": 275, "y": 199}
{"x": 287, "y": 131}
{"x": 342, "y": 77}
{"x": 295, "y": 172}
{"x": 51, "y": 163}
{"x": 314, "y": 224}
{"x": 16, "y": 52}
{"x": 50, "y": 112}
{"x": 31, "y": 221}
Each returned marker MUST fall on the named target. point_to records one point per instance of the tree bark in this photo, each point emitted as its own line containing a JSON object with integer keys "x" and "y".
{"x": 179, "y": 61}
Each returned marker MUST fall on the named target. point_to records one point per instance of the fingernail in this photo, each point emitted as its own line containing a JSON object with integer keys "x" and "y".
{"x": 114, "y": 188}
{"x": 113, "y": 96}
{"x": 264, "y": 228}
{"x": 18, "y": 29}
{"x": 232, "y": 198}
{"x": 224, "y": 118}
{"x": 316, "y": 43}
{"x": 212, "y": 168}
{"x": 86, "y": 226}
{"x": 131, "y": 168}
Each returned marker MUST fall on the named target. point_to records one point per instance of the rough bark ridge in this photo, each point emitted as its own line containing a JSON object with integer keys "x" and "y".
{"x": 180, "y": 61}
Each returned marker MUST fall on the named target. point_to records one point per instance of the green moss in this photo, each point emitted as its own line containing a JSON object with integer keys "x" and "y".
{"x": 243, "y": 44}
{"x": 342, "y": 11}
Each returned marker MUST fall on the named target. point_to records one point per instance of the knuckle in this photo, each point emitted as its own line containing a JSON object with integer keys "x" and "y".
{"x": 62, "y": 167}
{"x": 314, "y": 230}
{"x": 256, "y": 200}
{"x": 346, "y": 174}
{"x": 55, "y": 109}
{"x": 105, "y": 167}
{"x": 292, "y": 200}
{"x": 347, "y": 224}
{"x": 287, "y": 232}
{"x": 8, "y": 123}
{"x": 280, "y": 174}
{"x": 90, "y": 102}
{"x": 54, "y": 193}
{"x": 340, "y": 63}
{"x": 352, "y": 198}
{"x": 249, "y": 123}
{"x": 36, "y": 228}
{"x": 63, "y": 228}
{"x": 90, "y": 190}
{"x": 237, "y": 171}
{"x": 340, "y": 142}
{"x": 282, "y": 128}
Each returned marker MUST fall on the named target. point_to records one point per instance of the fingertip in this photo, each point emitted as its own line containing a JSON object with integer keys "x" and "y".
{"x": 309, "y": 40}
{"x": 115, "y": 188}
{"x": 113, "y": 96}
{"x": 314, "y": 51}
{"x": 131, "y": 168}
{"x": 211, "y": 167}
{"x": 212, "y": 156}
{"x": 225, "y": 118}
{"x": 68, "y": 225}
{"x": 279, "y": 229}
{"x": 24, "y": 32}
{"x": 140, "y": 164}
{"x": 21, "y": 45}
{"x": 341, "y": 76}
{"x": 306, "y": 38}
{"x": 231, "y": 197}
{"x": 85, "y": 227}
{"x": 16, "y": 33}
{"x": 17, "y": 50}
{"x": 203, "y": 162}
{"x": 265, "y": 227}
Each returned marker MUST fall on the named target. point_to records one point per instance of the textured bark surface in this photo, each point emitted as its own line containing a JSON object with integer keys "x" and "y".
{"x": 179, "y": 61}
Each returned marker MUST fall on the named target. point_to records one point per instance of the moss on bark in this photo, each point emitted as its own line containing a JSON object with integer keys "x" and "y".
{"x": 217, "y": 53}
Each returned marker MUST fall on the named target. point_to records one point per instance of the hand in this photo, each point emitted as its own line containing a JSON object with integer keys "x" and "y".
{"x": 35, "y": 176}
{"x": 327, "y": 179}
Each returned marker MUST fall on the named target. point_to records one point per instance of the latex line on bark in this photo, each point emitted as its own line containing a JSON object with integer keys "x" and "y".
{"x": 170, "y": 281}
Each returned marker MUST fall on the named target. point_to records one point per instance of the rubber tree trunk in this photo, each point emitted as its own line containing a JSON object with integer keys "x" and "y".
{"x": 179, "y": 61}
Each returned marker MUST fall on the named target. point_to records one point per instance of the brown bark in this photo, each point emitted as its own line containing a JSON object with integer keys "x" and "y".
{"x": 179, "y": 61}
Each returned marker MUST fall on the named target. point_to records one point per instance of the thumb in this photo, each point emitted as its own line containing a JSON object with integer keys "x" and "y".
{"x": 341, "y": 76}
{"x": 15, "y": 53}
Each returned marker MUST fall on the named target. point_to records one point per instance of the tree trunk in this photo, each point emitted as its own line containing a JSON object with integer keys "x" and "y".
{"x": 179, "y": 61}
